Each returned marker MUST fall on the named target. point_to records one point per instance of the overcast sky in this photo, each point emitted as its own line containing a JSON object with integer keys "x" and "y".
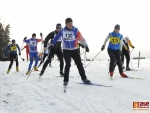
{"x": 94, "y": 18}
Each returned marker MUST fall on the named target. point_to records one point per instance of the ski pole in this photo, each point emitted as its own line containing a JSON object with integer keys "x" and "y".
{"x": 130, "y": 59}
{"x": 85, "y": 56}
{"x": 92, "y": 59}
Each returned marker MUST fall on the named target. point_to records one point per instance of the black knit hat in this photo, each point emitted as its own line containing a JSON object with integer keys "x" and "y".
{"x": 13, "y": 40}
{"x": 117, "y": 26}
{"x": 58, "y": 25}
{"x": 33, "y": 34}
{"x": 68, "y": 20}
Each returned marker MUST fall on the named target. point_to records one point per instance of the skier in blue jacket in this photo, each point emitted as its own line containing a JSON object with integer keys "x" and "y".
{"x": 114, "y": 49}
{"x": 33, "y": 42}
{"x": 70, "y": 36}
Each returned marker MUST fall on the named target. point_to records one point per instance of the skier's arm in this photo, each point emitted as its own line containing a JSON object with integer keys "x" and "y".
{"x": 6, "y": 51}
{"x": 27, "y": 41}
{"x": 130, "y": 44}
{"x": 81, "y": 39}
{"x": 48, "y": 37}
{"x": 107, "y": 38}
{"x": 23, "y": 47}
{"x": 121, "y": 44}
{"x": 18, "y": 47}
{"x": 57, "y": 37}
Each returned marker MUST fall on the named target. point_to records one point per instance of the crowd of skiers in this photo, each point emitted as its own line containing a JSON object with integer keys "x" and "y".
{"x": 65, "y": 43}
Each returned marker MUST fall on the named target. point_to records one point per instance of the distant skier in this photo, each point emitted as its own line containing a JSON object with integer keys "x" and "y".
{"x": 27, "y": 50}
{"x": 114, "y": 49}
{"x": 70, "y": 36}
{"x": 33, "y": 42}
{"x": 13, "y": 54}
{"x": 56, "y": 50}
{"x": 126, "y": 52}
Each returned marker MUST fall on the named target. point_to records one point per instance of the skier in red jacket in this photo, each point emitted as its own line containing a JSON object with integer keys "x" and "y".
{"x": 27, "y": 50}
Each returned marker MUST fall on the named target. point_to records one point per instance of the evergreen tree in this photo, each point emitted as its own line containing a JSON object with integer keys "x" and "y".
{"x": 4, "y": 39}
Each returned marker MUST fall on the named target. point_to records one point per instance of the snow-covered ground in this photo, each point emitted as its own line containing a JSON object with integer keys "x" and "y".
{"x": 45, "y": 95}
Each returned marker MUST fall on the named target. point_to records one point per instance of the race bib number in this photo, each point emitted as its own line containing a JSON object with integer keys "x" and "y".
{"x": 68, "y": 35}
{"x": 114, "y": 40}
{"x": 13, "y": 48}
{"x": 33, "y": 43}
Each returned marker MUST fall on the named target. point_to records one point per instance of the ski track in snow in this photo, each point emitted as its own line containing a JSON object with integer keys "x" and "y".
{"x": 45, "y": 95}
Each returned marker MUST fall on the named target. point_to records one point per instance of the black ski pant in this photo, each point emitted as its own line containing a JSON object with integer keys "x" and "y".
{"x": 68, "y": 54}
{"x": 51, "y": 55}
{"x": 43, "y": 58}
{"x": 114, "y": 55}
{"x": 127, "y": 55}
{"x": 13, "y": 57}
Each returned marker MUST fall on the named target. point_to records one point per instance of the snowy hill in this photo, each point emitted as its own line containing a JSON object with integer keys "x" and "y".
{"x": 45, "y": 95}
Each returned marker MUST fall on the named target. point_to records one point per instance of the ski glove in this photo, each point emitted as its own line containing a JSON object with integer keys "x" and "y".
{"x": 81, "y": 45}
{"x": 24, "y": 38}
{"x": 41, "y": 34}
{"x": 103, "y": 47}
{"x": 133, "y": 47}
{"x": 51, "y": 47}
{"x": 87, "y": 49}
{"x": 19, "y": 53}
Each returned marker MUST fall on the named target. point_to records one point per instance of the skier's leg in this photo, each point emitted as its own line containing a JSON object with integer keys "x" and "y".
{"x": 27, "y": 55}
{"x": 46, "y": 62}
{"x": 127, "y": 59}
{"x": 67, "y": 58}
{"x": 111, "y": 64}
{"x": 117, "y": 55}
{"x": 31, "y": 61}
{"x": 11, "y": 62}
{"x": 76, "y": 57}
{"x": 60, "y": 56}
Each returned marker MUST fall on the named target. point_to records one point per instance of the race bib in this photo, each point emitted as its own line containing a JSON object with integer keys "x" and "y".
{"x": 114, "y": 40}
{"x": 33, "y": 43}
{"x": 13, "y": 48}
{"x": 68, "y": 35}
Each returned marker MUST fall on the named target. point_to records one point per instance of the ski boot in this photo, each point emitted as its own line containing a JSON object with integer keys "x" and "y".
{"x": 28, "y": 72}
{"x": 35, "y": 68}
{"x": 17, "y": 69}
{"x": 50, "y": 65}
{"x": 65, "y": 83}
{"x": 8, "y": 71}
{"x": 111, "y": 74}
{"x": 42, "y": 72}
{"x": 128, "y": 69}
{"x": 61, "y": 73}
{"x": 124, "y": 75}
{"x": 123, "y": 68}
{"x": 86, "y": 81}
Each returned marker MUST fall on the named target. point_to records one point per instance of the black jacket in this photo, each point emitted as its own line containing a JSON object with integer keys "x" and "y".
{"x": 51, "y": 36}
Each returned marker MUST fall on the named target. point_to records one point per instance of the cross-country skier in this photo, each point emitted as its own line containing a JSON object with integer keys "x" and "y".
{"x": 27, "y": 50}
{"x": 56, "y": 50}
{"x": 33, "y": 42}
{"x": 114, "y": 49}
{"x": 13, "y": 54}
{"x": 70, "y": 36}
{"x": 126, "y": 52}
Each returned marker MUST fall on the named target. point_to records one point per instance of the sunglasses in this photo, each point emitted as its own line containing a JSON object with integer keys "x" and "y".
{"x": 58, "y": 27}
{"x": 117, "y": 28}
